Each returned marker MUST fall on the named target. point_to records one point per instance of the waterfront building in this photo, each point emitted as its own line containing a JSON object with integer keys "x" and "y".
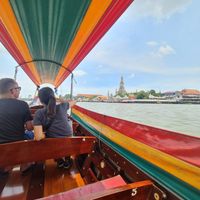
{"x": 190, "y": 93}
{"x": 100, "y": 98}
{"x": 183, "y": 96}
{"x": 190, "y": 96}
{"x": 86, "y": 97}
{"x": 131, "y": 96}
{"x": 171, "y": 95}
{"x": 155, "y": 97}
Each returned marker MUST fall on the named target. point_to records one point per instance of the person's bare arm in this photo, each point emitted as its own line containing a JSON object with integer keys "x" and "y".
{"x": 38, "y": 133}
{"x": 71, "y": 103}
{"x": 29, "y": 125}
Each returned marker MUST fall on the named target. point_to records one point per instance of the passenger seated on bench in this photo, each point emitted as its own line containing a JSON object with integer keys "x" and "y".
{"x": 15, "y": 115}
{"x": 54, "y": 120}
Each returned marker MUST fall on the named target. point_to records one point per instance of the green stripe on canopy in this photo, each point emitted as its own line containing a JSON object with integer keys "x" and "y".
{"x": 49, "y": 27}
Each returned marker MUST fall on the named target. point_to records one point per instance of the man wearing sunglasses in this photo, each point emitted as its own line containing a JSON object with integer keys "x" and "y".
{"x": 15, "y": 115}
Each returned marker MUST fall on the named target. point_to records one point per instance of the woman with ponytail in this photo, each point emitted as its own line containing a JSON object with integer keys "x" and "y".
{"x": 53, "y": 120}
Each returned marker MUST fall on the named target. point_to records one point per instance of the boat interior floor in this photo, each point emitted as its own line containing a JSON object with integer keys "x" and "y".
{"x": 60, "y": 180}
{"x": 47, "y": 181}
{"x": 43, "y": 179}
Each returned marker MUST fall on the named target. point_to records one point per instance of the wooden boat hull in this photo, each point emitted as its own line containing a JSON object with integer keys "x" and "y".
{"x": 100, "y": 153}
{"x": 177, "y": 172}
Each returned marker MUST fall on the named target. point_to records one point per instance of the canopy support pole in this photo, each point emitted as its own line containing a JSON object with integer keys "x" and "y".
{"x": 36, "y": 91}
{"x": 15, "y": 75}
{"x": 72, "y": 86}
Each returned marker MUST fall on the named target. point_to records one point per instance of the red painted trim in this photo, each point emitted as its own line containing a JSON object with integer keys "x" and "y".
{"x": 184, "y": 147}
{"x": 86, "y": 190}
{"x": 11, "y": 47}
{"x": 114, "y": 11}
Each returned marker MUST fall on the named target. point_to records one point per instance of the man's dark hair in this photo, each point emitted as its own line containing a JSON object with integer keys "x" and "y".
{"x": 6, "y": 84}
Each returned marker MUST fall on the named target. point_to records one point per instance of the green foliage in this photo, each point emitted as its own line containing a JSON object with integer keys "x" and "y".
{"x": 154, "y": 93}
{"x": 145, "y": 94}
{"x": 67, "y": 96}
{"x": 142, "y": 95}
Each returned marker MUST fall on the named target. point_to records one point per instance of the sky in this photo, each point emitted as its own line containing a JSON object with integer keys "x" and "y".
{"x": 154, "y": 45}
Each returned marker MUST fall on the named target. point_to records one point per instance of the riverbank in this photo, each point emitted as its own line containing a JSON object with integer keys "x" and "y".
{"x": 149, "y": 101}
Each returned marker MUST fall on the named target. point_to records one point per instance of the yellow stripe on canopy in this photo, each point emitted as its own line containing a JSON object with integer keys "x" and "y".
{"x": 180, "y": 169}
{"x": 92, "y": 17}
{"x": 8, "y": 18}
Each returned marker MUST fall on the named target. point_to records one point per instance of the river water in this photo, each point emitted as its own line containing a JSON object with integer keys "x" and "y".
{"x": 182, "y": 118}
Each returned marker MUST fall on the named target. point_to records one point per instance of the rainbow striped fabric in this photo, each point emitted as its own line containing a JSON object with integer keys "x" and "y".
{"x": 37, "y": 32}
{"x": 171, "y": 158}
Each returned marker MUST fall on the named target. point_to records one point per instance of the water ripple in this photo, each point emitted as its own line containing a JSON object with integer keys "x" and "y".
{"x": 183, "y": 118}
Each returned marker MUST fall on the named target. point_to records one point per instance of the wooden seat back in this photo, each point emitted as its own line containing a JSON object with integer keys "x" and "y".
{"x": 137, "y": 191}
{"x": 33, "y": 109}
{"x": 112, "y": 188}
{"x": 31, "y": 151}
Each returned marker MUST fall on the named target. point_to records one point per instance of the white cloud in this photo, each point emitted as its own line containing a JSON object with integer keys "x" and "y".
{"x": 158, "y": 9}
{"x": 163, "y": 50}
{"x": 79, "y": 72}
{"x": 123, "y": 59}
{"x": 152, "y": 43}
{"x": 166, "y": 50}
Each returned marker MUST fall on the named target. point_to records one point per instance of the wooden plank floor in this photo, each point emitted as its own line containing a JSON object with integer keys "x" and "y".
{"x": 16, "y": 186}
{"x": 60, "y": 180}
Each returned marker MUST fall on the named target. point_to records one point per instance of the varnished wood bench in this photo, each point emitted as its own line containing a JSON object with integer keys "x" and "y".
{"x": 31, "y": 151}
{"x": 37, "y": 183}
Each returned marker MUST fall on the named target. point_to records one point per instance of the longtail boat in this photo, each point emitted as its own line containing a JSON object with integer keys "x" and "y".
{"x": 112, "y": 158}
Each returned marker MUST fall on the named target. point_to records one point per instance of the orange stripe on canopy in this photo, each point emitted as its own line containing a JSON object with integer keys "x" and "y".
{"x": 112, "y": 13}
{"x": 55, "y": 31}
{"x": 93, "y": 15}
{"x": 8, "y": 19}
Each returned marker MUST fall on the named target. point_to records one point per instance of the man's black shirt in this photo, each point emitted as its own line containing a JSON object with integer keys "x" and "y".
{"x": 13, "y": 115}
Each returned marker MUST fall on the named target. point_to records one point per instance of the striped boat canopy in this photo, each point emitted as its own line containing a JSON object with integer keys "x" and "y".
{"x": 49, "y": 38}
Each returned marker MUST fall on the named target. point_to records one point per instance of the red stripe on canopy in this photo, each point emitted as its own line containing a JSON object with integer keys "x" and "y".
{"x": 114, "y": 11}
{"x": 13, "y": 50}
